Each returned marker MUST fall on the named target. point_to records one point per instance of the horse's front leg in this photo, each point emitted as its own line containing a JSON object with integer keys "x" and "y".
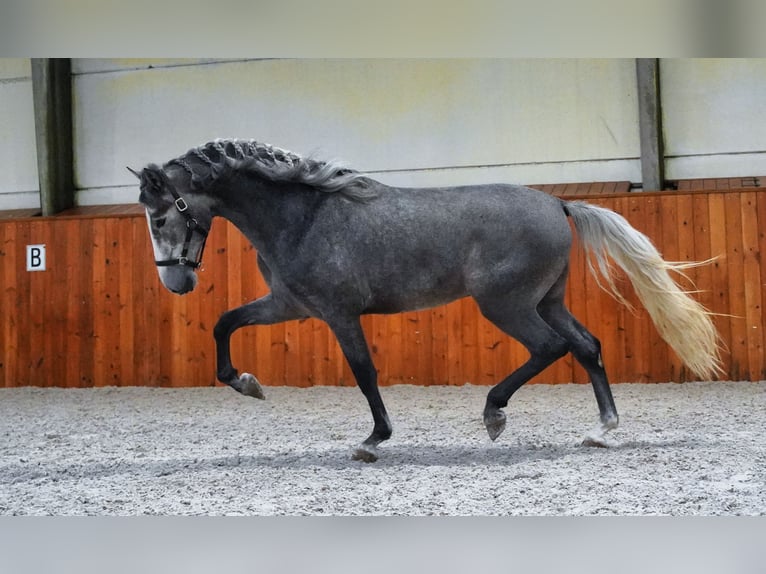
{"x": 354, "y": 346}
{"x": 263, "y": 311}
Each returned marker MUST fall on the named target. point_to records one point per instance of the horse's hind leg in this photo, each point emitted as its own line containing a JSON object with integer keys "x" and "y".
{"x": 543, "y": 343}
{"x": 354, "y": 346}
{"x": 587, "y": 351}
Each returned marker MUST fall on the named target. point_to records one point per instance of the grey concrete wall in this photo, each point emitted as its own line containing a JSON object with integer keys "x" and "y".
{"x": 407, "y": 122}
{"x": 714, "y": 117}
{"x": 18, "y": 157}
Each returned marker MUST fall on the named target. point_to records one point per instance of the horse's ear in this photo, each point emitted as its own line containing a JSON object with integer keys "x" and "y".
{"x": 133, "y": 171}
{"x": 154, "y": 177}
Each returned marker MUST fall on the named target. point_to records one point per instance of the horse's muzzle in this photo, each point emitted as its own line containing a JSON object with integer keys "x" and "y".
{"x": 178, "y": 280}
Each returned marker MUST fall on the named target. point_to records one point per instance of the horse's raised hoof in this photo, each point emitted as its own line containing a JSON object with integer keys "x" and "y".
{"x": 495, "y": 422}
{"x": 365, "y": 453}
{"x": 250, "y": 386}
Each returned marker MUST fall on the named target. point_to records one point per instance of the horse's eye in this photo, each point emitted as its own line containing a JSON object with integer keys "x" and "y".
{"x": 160, "y": 222}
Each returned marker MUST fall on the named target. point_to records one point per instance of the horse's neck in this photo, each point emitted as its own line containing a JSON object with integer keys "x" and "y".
{"x": 268, "y": 216}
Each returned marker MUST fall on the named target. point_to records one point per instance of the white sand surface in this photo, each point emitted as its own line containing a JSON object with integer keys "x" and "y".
{"x": 680, "y": 449}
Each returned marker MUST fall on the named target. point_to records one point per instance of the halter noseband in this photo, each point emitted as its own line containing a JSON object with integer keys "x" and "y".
{"x": 192, "y": 227}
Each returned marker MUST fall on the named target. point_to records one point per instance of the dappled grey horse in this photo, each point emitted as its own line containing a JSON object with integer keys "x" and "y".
{"x": 335, "y": 244}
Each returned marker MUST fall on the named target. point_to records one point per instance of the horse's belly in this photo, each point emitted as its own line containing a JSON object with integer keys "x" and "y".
{"x": 393, "y": 300}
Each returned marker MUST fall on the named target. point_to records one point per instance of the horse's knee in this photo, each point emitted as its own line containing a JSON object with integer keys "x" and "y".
{"x": 222, "y": 328}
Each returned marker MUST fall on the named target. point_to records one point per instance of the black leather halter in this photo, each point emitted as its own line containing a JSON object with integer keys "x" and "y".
{"x": 192, "y": 227}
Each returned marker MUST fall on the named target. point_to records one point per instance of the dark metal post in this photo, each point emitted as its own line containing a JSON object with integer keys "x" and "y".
{"x": 52, "y": 94}
{"x": 650, "y": 124}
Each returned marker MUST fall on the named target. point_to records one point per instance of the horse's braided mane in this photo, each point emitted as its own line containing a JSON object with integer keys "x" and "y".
{"x": 210, "y": 161}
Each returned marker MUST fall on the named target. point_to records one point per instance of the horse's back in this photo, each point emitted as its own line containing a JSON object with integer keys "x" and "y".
{"x": 415, "y": 248}
{"x": 498, "y": 218}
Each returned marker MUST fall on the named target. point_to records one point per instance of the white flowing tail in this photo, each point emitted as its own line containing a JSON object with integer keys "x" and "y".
{"x": 681, "y": 321}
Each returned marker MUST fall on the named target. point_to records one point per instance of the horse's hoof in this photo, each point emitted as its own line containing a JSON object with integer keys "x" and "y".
{"x": 251, "y": 387}
{"x": 495, "y": 423}
{"x": 365, "y": 453}
{"x": 596, "y": 442}
{"x": 595, "y": 439}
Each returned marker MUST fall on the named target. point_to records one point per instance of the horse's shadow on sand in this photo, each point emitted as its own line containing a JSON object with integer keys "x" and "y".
{"x": 333, "y": 459}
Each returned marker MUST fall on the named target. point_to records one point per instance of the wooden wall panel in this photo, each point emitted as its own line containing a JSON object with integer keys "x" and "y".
{"x": 99, "y": 315}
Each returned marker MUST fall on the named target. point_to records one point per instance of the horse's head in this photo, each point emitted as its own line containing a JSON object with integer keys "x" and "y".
{"x": 178, "y": 229}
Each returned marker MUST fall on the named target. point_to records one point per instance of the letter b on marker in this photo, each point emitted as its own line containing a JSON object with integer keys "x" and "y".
{"x": 35, "y": 257}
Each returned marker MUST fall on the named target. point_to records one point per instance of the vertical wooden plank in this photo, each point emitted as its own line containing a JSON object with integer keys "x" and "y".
{"x": 719, "y": 274}
{"x": 670, "y": 252}
{"x": 293, "y": 350}
{"x": 5, "y": 309}
{"x": 86, "y": 312}
{"x": 179, "y": 339}
{"x": 377, "y": 333}
{"x": 703, "y": 275}
{"x": 56, "y": 314}
{"x": 198, "y": 371}
{"x": 469, "y": 334}
{"x": 321, "y": 351}
{"x": 38, "y": 294}
{"x": 425, "y": 348}
{"x": 394, "y": 344}
{"x": 412, "y": 360}
{"x": 577, "y": 295}
{"x": 102, "y": 328}
{"x": 439, "y": 346}
{"x": 21, "y": 302}
{"x": 195, "y": 353}
{"x": 454, "y": 315}
{"x": 304, "y": 352}
{"x": 752, "y": 286}
{"x": 488, "y": 341}
{"x": 292, "y": 355}
{"x": 150, "y": 334}
{"x": 636, "y": 322}
{"x": 655, "y": 347}
{"x": 615, "y": 320}
{"x": 686, "y": 252}
{"x": 737, "y": 306}
{"x": 10, "y": 310}
{"x": 609, "y": 321}
{"x": 761, "y": 214}
{"x": 76, "y": 299}
{"x": 113, "y": 270}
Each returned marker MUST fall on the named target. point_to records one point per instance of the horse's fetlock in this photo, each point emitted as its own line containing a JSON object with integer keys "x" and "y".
{"x": 610, "y": 421}
{"x": 227, "y": 375}
{"x": 384, "y": 434}
{"x": 495, "y": 400}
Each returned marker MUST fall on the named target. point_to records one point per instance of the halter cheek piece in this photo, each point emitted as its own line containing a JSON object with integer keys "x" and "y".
{"x": 192, "y": 227}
